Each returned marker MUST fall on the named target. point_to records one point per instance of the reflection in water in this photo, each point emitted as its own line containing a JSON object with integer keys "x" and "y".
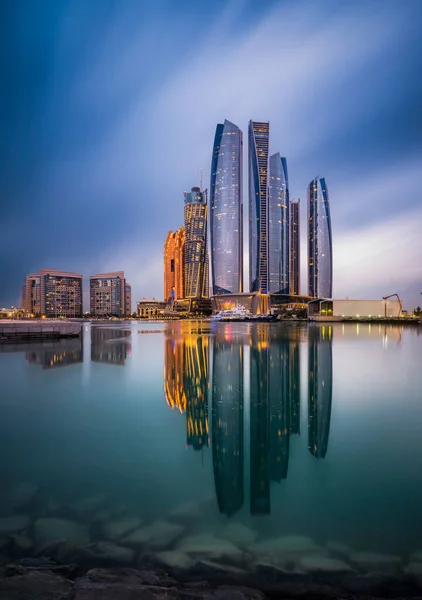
{"x": 320, "y": 389}
{"x": 274, "y": 406}
{"x": 55, "y": 354}
{"x": 110, "y": 345}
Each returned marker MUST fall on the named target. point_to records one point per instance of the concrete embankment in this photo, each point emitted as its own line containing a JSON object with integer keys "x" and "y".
{"x": 14, "y": 331}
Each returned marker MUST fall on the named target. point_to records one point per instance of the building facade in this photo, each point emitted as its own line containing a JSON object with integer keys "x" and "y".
{"x": 60, "y": 293}
{"x": 226, "y": 210}
{"x": 31, "y": 295}
{"x": 320, "y": 246}
{"x": 278, "y": 227}
{"x": 108, "y": 294}
{"x": 259, "y": 138}
{"x": 150, "y": 309}
{"x": 295, "y": 247}
{"x": 128, "y": 299}
{"x": 174, "y": 260}
{"x": 196, "y": 252}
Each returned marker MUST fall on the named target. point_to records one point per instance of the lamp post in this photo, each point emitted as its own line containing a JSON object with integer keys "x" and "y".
{"x": 385, "y": 306}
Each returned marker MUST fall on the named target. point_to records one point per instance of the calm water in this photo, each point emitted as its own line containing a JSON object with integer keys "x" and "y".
{"x": 286, "y": 428}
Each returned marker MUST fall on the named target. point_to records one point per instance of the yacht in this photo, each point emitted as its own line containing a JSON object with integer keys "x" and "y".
{"x": 237, "y": 313}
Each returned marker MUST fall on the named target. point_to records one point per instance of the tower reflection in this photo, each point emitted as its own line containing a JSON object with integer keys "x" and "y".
{"x": 109, "y": 345}
{"x": 320, "y": 389}
{"x": 55, "y": 354}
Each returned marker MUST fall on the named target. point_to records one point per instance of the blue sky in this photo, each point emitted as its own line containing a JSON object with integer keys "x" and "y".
{"x": 108, "y": 113}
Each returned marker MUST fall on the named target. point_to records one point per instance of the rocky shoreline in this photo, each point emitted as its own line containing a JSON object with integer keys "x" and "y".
{"x": 92, "y": 547}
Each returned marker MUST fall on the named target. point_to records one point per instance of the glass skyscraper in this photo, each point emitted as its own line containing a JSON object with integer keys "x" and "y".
{"x": 226, "y": 226}
{"x": 320, "y": 245}
{"x": 259, "y": 138}
{"x": 278, "y": 227}
{"x": 196, "y": 253}
{"x": 295, "y": 247}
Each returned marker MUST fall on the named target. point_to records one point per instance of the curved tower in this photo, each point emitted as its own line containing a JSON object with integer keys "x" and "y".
{"x": 226, "y": 216}
{"x": 278, "y": 227}
{"x": 320, "y": 245}
{"x": 196, "y": 253}
{"x": 259, "y": 138}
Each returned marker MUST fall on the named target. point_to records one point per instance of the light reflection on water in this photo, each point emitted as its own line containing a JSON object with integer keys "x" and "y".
{"x": 287, "y": 428}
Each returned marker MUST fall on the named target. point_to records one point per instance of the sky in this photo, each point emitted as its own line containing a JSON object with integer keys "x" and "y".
{"x": 108, "y": 112}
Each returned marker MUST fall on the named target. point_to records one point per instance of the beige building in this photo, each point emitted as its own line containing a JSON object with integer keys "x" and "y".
{"x": 109, "y": 295}
{"x": 174, "y": 260}
{"x": 53, "y": 293}
{"x": 31, "y": 294}
{"x": 153, "y": 308}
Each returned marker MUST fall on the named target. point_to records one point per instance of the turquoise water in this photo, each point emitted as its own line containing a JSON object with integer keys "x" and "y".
{"x": 287, "y": 429}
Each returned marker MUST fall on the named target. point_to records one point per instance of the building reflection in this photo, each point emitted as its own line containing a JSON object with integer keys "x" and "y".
{"x": 320, "y": 389}
{"x": 55, "y": 354}
{"x": 257, "y": 423}
{"x": 227, "y": 422}
{"x": 109, "y": 345}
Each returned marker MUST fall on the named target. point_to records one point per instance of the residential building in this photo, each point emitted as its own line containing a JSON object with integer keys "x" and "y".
{"x": 108, "y": 294}
{"x": 259, "y": 138}
{"x": 31, "y": 294}
{"x": 60, "y": 293}
{"x": 295, "y": 247}
{"x": 128, "y": 299}
{"x": 226, "y": 210}
{"x": 278, "y": 227}
{"x": 196, "y": 253}
{"x": 174, "y": 261}
{"x": 320, "y": 245}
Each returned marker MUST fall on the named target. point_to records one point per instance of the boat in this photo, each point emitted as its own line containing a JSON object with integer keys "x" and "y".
{"x": 237, "y": 313}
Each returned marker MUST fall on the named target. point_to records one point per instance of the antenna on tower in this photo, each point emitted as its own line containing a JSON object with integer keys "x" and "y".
{"x": 200, "y": 180}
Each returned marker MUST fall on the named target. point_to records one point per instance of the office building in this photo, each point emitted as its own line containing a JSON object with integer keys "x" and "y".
{"x": 196, "y": 253}
{"x": 295, "y": 247}
{"x": 278, "y": 227}
{"x": 174, "y": 260}
{"x": 226, "y": 210}
{"x": 60, "y": 293}
{"x": 108, "y": 294}
{"x": 259, "y": 138}
{"x": 320, "y": 245}
{"x": 31, "y": 295}
{"x": 128, "y": 299}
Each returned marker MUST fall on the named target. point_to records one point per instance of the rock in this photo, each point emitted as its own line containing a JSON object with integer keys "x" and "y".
{"x": 247, "y": 592}
{"x": 209, "y": 546}
{"x": 157, "y": 536}
{"x": 175, "y": 559}
{"x": 118, "y": 528}
{"x": 238, "y": 534}
{"x": 338, "y": 550}
{"x": 14, "y": 524}
{"x": 187, "y": 510}
{"x": 52, "y": 529}
{"x": 294, "y": 544}
{"x": 416, "y": 556}
{"x": 270, "y": 572}
{"x": 23, "y": 542}
{"x": 117, "y": 575}
{"x": 89, "y": 505}
{"x": 371, "y": 561}
{"x": 35, "y": 584}
{"x": 211, "y": 568}
{"x": 108, "y": 551}
{"x": 312, "y": 563}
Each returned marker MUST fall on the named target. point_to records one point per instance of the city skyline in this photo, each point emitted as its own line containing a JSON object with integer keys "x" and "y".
{"x": 92, "y": 133}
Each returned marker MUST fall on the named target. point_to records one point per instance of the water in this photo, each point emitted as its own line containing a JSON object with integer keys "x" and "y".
{"x": 289, "y": 429}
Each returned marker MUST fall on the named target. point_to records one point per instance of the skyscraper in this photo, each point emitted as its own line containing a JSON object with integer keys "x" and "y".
{"x": 320, "y": 245}
{"x": 108, "y": 294}
{"x": 278, "y": 227}
{"x": 259, "y": 137}
{"x": 174, "y": 260}
{"x": 60, "y": 293}
{"x": 295, "y": 247}
{"x": 196, "y": 253}
{"x": 226, "y": 215}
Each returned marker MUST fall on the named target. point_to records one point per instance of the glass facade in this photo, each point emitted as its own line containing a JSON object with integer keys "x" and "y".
{"x": 295, "y": 247}
{"x": 226, "y": 226}
{"x": 320, "y": 246}
{"x": 278, "y": 227}
{"x": 259, "y": 138}
{"x": 196, "y": 253}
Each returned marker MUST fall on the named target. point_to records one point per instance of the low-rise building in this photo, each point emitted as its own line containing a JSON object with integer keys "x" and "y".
{"x": 150, "y": 309}
{"x": 330, "y": 309}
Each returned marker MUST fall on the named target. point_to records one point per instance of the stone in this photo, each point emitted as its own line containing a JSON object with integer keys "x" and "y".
{"x": 52, "y": 529}
{"x": 247, "y": 592}
{"x": 174, "y": 559}
{"x": 157, "y": 536}
{"x": 118, "y": 528}
{"x": 23, "y": 542}
{"x": 338, "y": 550}
{"x": 371, "y": 561}
{"x": 312, "y": 563}
{"x": 90, "y": 504}
{"x": 209, "y": 568}
{"x": 110, "y": 551}
{"x": 238, "y": 534}
{"x": 209, "y": 546}
{"x": 35, "y": 584}
{"x": 187, "y": 510}
{"x": 14, "y": 524}
{"x": 116, "y": 575}
{"x": 292, "y": 544}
